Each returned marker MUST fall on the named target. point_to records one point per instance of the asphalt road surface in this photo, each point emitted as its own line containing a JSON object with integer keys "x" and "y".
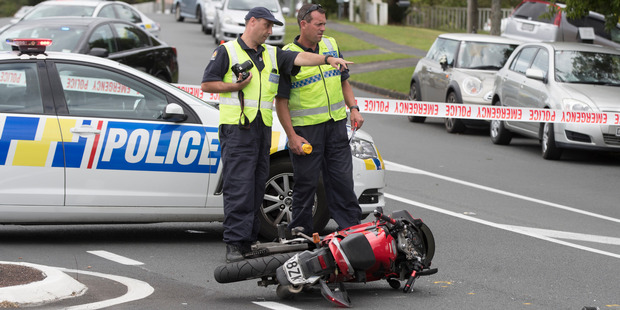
{"x": 513, "y": 231}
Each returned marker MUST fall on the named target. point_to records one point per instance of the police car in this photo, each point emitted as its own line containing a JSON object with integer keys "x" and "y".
{"x": 89, "y": 140}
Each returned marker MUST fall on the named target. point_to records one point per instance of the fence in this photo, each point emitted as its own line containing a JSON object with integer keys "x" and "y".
{"x": 448, "y": 17}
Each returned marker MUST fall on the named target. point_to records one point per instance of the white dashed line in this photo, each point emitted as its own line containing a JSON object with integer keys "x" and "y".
{"x": 116, "y": 258}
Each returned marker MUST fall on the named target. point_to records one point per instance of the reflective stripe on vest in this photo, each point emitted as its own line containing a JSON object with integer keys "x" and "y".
{"x": 264, "y": 84}
{"x": 316, "y": 91}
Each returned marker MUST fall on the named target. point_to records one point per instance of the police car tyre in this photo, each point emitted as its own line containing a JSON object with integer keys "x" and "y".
{"x": 251, "y": 268}
{"x": 498, "y": 132}
{"x": 281, "y": 174}
{"x": 548, "y": 146}
{"x": 454, "y": 125}
{"x": 414, "y": 95}
{"x": 177, "y": 13}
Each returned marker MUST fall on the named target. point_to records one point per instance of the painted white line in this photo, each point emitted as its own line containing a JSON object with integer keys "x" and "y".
{"x": 116, "y": 258}
{"x": 136, "y": 289}
{"x": 500, "y": 226}
{"x": 274, "y": 305}
{"x": 568, "y": 235}
{"x": 391, "y": 166}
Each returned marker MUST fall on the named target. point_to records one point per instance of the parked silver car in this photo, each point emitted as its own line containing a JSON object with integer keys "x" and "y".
{"x": 564, "y": 76}
{"x": 460, "y": 68}
{"x": 201, "y": 10}
{"x": 529, "y": 23}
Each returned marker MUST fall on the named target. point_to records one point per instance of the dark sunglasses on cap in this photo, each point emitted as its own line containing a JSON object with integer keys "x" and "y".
{"x": 313, "y": 8}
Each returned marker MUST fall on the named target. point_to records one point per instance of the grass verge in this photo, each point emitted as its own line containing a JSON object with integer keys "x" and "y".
{"x": 392, "y": 79}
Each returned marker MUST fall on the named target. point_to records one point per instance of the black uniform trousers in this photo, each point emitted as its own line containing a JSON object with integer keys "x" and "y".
{"x": 245, "y": 169}
{"x": 331, "y": 156}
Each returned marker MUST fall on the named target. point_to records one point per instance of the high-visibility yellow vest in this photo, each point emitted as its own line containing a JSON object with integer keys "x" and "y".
{"x": 262, "y": 88}
{"x": 316, "y": 91}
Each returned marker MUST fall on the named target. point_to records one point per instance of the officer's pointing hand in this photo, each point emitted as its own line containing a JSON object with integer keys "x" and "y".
{"x": 339, "y": 63}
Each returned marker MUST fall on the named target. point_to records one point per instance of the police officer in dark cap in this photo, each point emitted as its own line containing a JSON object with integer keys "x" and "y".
{"x": 246, "y": 119}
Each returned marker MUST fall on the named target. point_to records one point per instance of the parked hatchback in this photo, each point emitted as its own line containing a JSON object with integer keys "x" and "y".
{"x": 110, "y": 38}
{"x": 529, "y": 22}
{"x": 460, "y": 68}
{"x": 563, "y": 76}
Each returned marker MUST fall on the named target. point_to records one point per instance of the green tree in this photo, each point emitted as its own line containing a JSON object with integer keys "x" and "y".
{"x": 576, "y": 9}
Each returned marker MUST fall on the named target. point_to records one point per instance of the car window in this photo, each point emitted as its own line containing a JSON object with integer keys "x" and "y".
{"x": 599, "y": 27}
{"x": 443, "y": 47}
{"x": 587, "y": 67}
{"x": 65, "y": 38}
{"x": 102, "y": 37}
{"x": 97, "y": 92}
{"x": 130, "y": 37}
{"x": 533, "y": 10}
{"x": 51, "y": 10}
{"x": 127, "y": 13}
{"x": 523, "y": 60}
{"x": 541, "y": 61}
{"x": 246, "y": 5}
{"x": 481, "y": 55}
{"x": 19, "y": 86}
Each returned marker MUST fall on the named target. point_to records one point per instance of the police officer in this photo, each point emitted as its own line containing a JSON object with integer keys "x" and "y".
{"x": 245, "y": 121}
{"x": 311, "y": 108}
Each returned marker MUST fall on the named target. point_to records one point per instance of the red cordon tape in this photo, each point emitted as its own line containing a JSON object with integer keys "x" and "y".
{"x": 464, "y": 111}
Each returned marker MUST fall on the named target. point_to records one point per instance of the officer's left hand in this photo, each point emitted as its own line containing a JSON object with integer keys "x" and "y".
{"x": 356, "y": 118}
{"x": 339, "y": 63}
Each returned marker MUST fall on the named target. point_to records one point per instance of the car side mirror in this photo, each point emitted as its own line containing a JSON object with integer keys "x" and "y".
{"x": 174, "y": 113}
{"x": 99, "y": 52}
{"x": 443, "y": 61}
{"x": 536, "y": 74}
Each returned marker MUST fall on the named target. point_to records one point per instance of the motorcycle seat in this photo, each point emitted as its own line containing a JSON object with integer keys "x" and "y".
{"x": 358, "y": 251}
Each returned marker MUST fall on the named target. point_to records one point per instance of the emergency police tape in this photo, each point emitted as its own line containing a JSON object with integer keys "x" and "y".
{"x": 462, "y": 111}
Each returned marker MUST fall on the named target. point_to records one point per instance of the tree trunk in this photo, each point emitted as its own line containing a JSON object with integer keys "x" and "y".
{"x": 472, "y": 16}
{"x": 496, "y": 17}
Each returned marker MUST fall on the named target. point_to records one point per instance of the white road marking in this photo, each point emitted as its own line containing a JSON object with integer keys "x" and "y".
{"x": 500, "y": 226}
{"x": 116, "y": 258}
{"x": 274, "y": 305}
{"x": 391, "y": 166}
{"x": 568, "y": 235}
{"x": 136, "y": 289}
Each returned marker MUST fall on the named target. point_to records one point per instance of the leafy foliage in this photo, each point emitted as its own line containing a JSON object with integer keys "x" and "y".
{"x": 576, "y": 9}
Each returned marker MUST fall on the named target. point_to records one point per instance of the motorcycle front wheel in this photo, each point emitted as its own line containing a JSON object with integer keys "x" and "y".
{"x": 251, "y": 268}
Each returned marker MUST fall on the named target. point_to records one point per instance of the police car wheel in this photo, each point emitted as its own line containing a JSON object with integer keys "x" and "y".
{"x": 278, "y": 201}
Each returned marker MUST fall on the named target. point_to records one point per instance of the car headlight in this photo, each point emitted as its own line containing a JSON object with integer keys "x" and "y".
{"x": 472, "y": 86}
{"x": 362, "y": 149}
{"x": 576, "y": 105}
{"x": 229, "y": 20}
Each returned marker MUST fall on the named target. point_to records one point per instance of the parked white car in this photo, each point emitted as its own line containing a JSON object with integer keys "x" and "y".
{"x": 230, "y": 20}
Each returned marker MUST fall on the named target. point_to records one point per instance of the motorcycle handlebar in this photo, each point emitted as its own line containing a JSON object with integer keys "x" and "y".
{"x": 380, "y": 215}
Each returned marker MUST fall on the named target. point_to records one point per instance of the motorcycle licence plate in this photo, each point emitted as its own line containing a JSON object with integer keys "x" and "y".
{"x": 293, "y": 271}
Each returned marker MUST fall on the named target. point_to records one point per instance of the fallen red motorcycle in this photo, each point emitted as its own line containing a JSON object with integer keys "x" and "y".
{"x": 395, "y": 248}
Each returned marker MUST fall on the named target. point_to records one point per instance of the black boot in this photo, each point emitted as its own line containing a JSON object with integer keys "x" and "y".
{"x": 233, "y": 253}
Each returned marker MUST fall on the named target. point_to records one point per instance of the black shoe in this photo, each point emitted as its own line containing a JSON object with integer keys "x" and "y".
{"x": 233, "y": 253}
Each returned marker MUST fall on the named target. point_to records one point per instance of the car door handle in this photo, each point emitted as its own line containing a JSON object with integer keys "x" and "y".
{"x": 86, "y": 130}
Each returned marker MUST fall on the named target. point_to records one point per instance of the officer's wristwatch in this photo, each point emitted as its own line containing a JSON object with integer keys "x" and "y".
{"x": 354, "y": 107}
{"x": 327, "y": 56}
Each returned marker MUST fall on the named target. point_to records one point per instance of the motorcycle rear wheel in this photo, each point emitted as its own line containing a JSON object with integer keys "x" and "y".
{"x": 251, "y": 268}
